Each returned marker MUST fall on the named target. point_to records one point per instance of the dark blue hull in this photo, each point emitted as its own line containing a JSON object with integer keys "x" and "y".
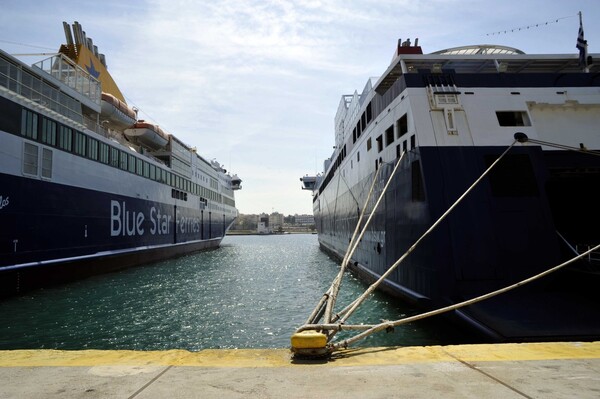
{"x": 54, "y": 233}
{"x": 505, "y": 230}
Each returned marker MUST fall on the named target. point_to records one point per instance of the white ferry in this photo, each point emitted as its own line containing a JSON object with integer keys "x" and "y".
{"x": 86, "y": 187}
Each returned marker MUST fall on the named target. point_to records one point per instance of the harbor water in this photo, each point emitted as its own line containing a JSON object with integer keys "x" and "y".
{"x": 252, "y": 292}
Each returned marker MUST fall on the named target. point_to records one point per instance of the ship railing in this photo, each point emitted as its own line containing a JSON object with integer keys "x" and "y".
{"x": 92, "y": 125}
{"x": 21, "y": 81}
{"x": 64, "y": 69}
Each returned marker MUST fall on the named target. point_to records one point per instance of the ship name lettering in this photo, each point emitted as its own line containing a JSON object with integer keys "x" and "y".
{"x": 124, "y": 222}
{"x": 160, "y": 222}
{"x": 3, "y": 202}
{"x": 188, "y": 225}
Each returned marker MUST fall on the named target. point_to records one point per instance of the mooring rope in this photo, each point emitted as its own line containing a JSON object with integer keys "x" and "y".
{"x": 347, "y": 312}
{"x": 354, "y": 241}
{"x": 382, "y": 326}
{"x": 564, "y": 147}
{"x": 319, "y": 310}
{"x": 367, "y": 330}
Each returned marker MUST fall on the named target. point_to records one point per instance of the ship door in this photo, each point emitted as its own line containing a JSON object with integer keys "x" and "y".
{"x": 202, "y": 225}
{"x": 448, "y": 118}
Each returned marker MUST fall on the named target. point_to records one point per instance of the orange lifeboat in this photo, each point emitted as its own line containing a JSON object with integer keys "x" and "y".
{"x": 116, "y": 111}
{"x": 148, "y": 134}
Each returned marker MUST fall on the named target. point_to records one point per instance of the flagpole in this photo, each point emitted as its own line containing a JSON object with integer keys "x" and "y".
{"x": 582, "y": 46}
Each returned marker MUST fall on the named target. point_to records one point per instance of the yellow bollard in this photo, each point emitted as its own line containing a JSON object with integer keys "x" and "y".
{"x": 309, "y": 340}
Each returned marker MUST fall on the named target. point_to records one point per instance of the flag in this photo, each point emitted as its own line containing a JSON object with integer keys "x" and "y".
{"x": 581, "y": 45}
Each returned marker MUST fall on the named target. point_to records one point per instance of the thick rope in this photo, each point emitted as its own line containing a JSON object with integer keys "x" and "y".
{"x": 382, "y": 326}
{"x": 354, "y": 241}
{"x": 318, "y": 311}
{"x": 347, "y": 312}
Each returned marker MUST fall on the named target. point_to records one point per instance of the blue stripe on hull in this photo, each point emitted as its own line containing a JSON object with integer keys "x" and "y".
{"x": 500, "y": 234}
{"x": 55, "y": 233}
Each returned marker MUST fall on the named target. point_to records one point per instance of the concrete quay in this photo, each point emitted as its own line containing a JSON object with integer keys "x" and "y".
{"x": 530, "y": 370}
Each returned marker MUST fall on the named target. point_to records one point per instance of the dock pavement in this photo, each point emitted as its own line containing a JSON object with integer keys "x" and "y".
{"x": 529, "y": 370}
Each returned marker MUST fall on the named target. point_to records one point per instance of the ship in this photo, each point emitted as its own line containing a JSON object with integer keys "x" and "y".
{"x": 85, "y": 186}
{"x": 442, "y": 119}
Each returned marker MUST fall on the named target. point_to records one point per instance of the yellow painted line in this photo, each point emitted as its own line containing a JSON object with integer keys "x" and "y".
{"x": 527, "y": 351}
{"x": 242, "y": 358}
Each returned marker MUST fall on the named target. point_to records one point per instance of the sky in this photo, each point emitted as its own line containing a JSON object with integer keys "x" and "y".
{"x": 256, "y": 84}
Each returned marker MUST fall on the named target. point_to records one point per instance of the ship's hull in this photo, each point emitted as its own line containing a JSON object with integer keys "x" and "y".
{"x": 66, "y": 215}
{"x": 55, "y": 233}
{"x": 505, "y": 230}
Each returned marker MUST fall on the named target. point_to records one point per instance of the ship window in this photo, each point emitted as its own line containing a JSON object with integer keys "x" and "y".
{"x": 412, "y": 142}
{"x": 46, "y": 163}
{"x": 513, "y": 118}
{"x": 123, "y": 160}
{"x": 369, "y": 144}
{"x": 131, "y": 163}
{"x": 363, "y": 122}
{"x": 48, "y": 131}
{"x": 389, "y": 135}
{"x": 153, "y": 172}
{"x": 512, "y": 177}
{"x": 103, "y": 153}
{"x": 146, "y": 169}
{"x": 139, "y": 166}
{"x": 80, "y": 143}
{"x": 369, "y": 113}
{"x": 65, "y": 138}
{"x": 418, "y": 192}
{"x": 30, "y": 159}
{"x": 402, "y": 125}
{"x": 379, "y": 140}
{"x": 29, "y": 124}
{"x": 114, "y": 157}
{"x": 358, "y": 156}
{"x": 354, "y": 135}
{"x": 405, "y": 145}
{"x": 92, "y": 149}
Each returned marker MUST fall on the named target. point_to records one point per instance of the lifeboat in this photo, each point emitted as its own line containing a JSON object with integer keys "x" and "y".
{"x": 116, "y": 112}
{"x": 148, "y": 134}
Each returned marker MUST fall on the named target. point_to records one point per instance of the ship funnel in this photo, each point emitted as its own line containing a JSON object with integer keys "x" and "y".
{"x": 68, "y": 35}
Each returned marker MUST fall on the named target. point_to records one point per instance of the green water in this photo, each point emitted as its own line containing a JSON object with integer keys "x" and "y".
{"x": 252, "y": 292}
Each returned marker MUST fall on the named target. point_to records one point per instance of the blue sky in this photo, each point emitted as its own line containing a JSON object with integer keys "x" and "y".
{"x": 256, "y": 84}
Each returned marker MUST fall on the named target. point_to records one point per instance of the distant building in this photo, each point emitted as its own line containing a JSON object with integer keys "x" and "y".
{"x": 263, "y": 224}
{"x": 304, "y": 220}
{"x": 275, "y": 221}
